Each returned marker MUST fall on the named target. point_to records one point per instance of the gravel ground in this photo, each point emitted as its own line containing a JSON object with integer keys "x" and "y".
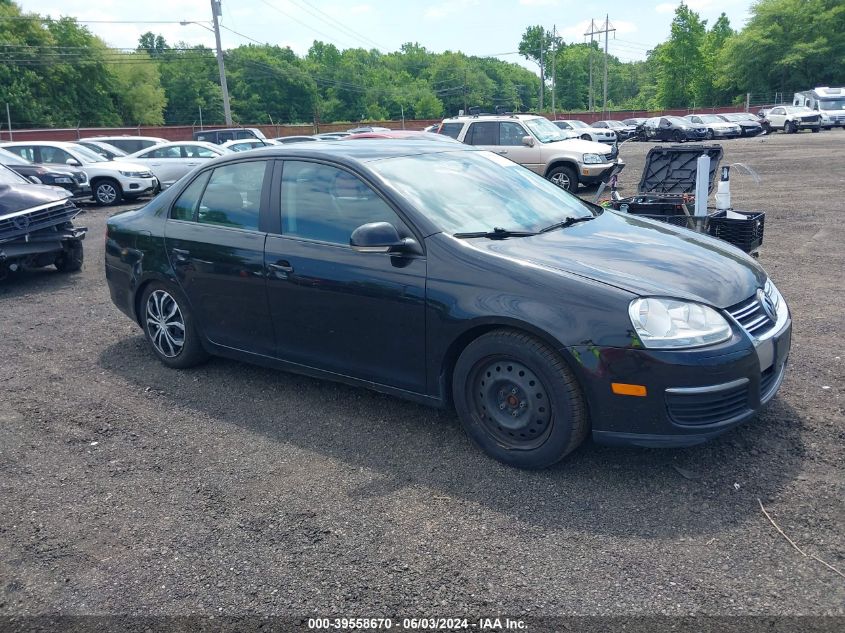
{"x": 129, "y": 488}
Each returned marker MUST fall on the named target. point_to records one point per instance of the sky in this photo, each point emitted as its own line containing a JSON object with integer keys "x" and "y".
{"x": 475, "y": 27}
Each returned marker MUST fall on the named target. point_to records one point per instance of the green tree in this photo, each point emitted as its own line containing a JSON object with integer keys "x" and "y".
{"x": 679, "y": 60}
{"x": 138, "y": 92}
{"x": 787, "y": 45}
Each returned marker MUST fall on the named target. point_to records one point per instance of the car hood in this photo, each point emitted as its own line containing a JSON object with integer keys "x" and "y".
{"x": 21, "y": 197}
{"x": 647, "y": 258}
{"x": 577, "y": 145}
{"x": 118, "y": 165}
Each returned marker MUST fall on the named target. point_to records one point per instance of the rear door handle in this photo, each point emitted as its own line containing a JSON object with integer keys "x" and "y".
{"x": 180, "y": 254}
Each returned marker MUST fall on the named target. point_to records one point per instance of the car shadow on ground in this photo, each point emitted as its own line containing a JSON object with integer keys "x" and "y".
{"x": 601, "y": 490}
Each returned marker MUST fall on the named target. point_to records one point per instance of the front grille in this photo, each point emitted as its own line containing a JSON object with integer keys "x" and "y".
{"x": 20, "y": 224}
{"x": 813, "y": 118}
{"x": 751, "y": 316}
{"x": 710, "y": 405}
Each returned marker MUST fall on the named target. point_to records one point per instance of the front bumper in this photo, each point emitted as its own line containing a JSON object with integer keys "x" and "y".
{"x": 599, "y": 172}
{"x": 692, "y": 395}
{"x": 725, "y": 133}
{"x": 134, "y": 187}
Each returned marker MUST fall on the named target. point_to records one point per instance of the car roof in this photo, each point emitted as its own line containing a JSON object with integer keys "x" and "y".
{"x": 492, "y": 117}
{"x": 358, "y": 150}
{"x": 125, "y": 137}
{"x": 403, "y": 135}
{"x": 62, "y": 144}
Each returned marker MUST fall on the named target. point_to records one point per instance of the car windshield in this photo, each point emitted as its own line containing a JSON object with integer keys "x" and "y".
{"x": 616, "y": 124}
{"x": 471, "y": 191}
{"x": 545, "y": 131}
{"x": 577, "y": 124}
{"x": 7, "y": 158}
{"x": 8, "y": 177}
{"x": 88, "y": 156}
{"x": 832, "y": 104}
{"x": 797, "y": 109}
{"x": 710, "y": 118}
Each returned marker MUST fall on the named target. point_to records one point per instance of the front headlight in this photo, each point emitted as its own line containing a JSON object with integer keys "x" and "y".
{"x": 590, "y": 159}
{"x": 64, "y": 180}
{"x": 774, "y": 296}
{"x": 131, "y": 174}
{"x": 663, "y": 323}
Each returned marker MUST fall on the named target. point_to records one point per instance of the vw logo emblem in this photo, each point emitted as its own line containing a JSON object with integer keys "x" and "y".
{"x": 21, "y": 222}
{"x": 766, "y": 304}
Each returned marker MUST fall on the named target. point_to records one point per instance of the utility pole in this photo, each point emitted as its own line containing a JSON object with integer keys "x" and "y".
{"x": 594, "y": 30}
{"x": 216, "y": 11}
{"x": 554, "y": 56}
{"x": 591, "y": 32}
{"x": 542, "y": 74}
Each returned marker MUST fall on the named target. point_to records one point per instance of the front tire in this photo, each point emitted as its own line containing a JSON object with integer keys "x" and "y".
{"x": 106, "y": 191}
{"x": 586, "y": 137}
{"x": 71, "y": 258}
{"x": 710, "y": 135}
{"x": 816, "y": 130}
{"x": 517, "y": 400}
{"x": 790, "y": 127}
{"x": 564, "y": 177}
{"x": 169, "y": 327}
{"x": 678, "y": 136}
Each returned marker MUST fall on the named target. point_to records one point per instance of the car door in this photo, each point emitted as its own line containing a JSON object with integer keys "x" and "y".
{"x": 214, "y": 238}
{"x": 333, "y": 308}
{"x": 776, "y": 117}
{"x": 162, "y": 161}
{"x": 511, "y": 146}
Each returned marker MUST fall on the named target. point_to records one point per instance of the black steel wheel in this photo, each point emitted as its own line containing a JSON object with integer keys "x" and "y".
{"x": 169, "y": 326}
{"x": 518, "y": 400}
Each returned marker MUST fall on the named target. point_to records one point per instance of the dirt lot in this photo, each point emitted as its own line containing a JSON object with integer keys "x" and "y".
{"x": 126, "y": 487}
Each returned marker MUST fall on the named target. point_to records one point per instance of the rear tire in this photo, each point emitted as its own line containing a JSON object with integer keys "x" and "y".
{"x": 169, "y": 326}
{"x": 518, "y": 400}
{"x": 564, "y": 177}
{"x": 71, "y": 258}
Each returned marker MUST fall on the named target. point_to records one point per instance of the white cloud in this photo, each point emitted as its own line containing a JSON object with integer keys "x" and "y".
{"x": 539, "y": 3}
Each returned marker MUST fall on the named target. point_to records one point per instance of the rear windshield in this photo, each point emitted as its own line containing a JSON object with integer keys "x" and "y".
{"x": 451, "y": 129}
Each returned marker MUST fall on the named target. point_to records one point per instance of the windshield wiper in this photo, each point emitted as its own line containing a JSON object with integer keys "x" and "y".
{"x": 496, "y": 234}
{"x": 566, "y": 223}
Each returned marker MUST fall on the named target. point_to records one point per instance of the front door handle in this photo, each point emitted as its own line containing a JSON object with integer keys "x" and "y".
{"x": 281, "y": 268}
{"x": 180, "y": 254}
{"x": 502, "y": 151}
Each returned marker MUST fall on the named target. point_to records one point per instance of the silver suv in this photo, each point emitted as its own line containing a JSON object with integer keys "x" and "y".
{"x": 536, "y": 143}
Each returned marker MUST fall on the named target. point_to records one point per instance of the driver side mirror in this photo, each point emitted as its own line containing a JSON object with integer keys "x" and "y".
{"x": 381, "y": 237}
{"x": 528, "y": 141}
{"x": 73, "y": 162}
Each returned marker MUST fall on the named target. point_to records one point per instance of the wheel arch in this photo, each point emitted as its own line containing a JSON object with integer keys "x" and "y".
{"x": 561, "y": 162}
{"x": 478, "y": 329}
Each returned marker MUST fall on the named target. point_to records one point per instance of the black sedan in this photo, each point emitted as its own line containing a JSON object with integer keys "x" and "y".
{"x": 749, "y": 123}
{"x": 454, "y": 277}
{"x": 671, "y": 128}
{"x": 71, "y": 178}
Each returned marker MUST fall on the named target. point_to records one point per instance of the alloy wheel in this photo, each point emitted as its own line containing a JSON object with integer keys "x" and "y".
{"x": 165, "y": 324}
{"x": 106, "y": 193}
{"x": 561, "y": 179}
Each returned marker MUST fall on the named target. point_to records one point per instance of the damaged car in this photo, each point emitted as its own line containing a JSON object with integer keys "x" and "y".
{"x": 36, "y": 227}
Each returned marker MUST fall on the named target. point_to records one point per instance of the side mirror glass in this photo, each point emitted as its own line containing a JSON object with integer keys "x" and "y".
{"x": 528, "y": 141}
{"x": 380, "y": 237}
{"x": 73, "y": 162}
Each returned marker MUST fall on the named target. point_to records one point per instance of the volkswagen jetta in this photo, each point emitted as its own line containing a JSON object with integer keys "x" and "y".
{"x": 454, "y": 277}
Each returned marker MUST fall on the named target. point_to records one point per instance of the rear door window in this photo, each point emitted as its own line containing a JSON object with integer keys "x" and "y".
{"x": 185, "y": 207}
{"x": 233, "y": 196}
{"x": 483, "y": 133}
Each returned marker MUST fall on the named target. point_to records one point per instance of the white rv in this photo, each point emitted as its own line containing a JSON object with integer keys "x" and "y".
{"x": 827, "y": 101}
